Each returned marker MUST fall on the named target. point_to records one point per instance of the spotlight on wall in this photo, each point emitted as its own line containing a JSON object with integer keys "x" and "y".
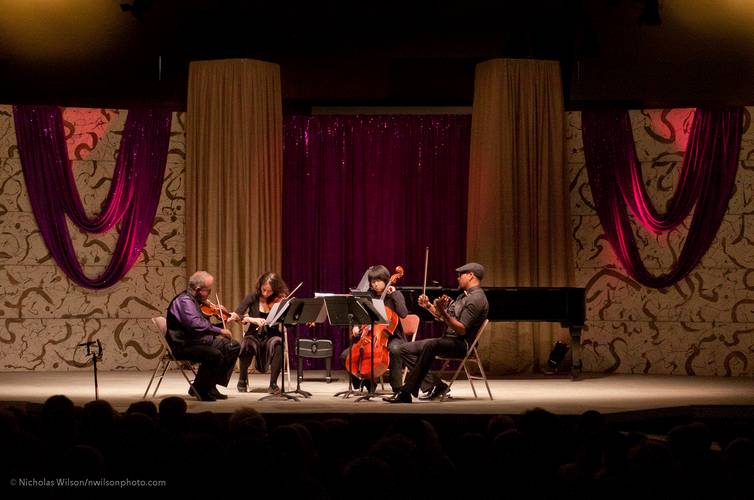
{"x": 650, "y": 13}
{"x": 137, "y": 9}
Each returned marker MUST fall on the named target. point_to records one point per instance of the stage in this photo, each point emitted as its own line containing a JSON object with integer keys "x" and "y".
{"x": 617, "y": 395}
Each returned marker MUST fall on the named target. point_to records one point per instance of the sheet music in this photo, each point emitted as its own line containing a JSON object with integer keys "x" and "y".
{"x": 276, "y": 312}
{"x": 363, "y": 285}
{"x": 379, "y": 305}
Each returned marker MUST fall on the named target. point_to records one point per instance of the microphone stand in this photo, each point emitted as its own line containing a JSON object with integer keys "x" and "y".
{"x": 96, "y": 355}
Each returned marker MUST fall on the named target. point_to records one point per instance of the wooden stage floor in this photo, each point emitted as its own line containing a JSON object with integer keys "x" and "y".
{"x": 610, "y": 394}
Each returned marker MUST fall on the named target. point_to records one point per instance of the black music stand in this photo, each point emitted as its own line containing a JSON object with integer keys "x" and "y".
{"x": 347, "y": 311}
{"x": 376, "y": 310}
{"x": 277, "y": 320}
{"x": 302, "y": 311}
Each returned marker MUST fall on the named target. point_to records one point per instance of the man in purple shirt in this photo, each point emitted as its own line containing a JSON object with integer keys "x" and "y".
{"x": 192, "y": 337}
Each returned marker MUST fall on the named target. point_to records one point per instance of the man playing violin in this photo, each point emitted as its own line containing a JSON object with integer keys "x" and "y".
{"x": 264, "y": 342}
{"x": 378, "y": 277}
{"x": 192, "y": 337}
{"x": 463, "y": 318}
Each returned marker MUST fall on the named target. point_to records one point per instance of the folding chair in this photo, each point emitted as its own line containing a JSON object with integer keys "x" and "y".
{"x": 160, "y": 329}
{"x": 410, "y": 325}
{"x": 472, "y": 355}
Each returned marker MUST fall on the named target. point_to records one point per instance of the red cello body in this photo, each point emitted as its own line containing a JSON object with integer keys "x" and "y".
{"x": 359, "y": 362}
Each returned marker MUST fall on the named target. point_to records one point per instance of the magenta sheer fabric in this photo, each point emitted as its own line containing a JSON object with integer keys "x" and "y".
{"x": 132, "y": 199}
{"x": 706, "y": 183}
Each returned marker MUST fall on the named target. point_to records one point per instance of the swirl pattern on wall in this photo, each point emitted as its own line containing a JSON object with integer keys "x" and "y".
{"x": 704, "y": 325}
{"x": 42, "y": 314}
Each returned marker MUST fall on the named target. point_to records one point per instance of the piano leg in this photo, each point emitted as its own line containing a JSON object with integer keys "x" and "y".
{"x": 575, "y": 352}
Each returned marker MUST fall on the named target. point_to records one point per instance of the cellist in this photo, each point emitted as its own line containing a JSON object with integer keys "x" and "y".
{"x": 379, "y": 277}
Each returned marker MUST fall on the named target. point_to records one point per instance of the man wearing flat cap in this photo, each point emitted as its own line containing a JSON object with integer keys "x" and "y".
{"x": 464, "y": 317}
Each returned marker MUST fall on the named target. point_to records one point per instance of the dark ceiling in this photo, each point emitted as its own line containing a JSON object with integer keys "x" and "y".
{"x": 378, "y": 53}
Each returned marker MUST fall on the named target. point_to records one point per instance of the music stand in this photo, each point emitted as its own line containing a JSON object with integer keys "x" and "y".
{"x": 347, "y": 311}
{"x": 377, "y": 315}
{"x": 303, "y": 311}
{"x": 275, "y": 318}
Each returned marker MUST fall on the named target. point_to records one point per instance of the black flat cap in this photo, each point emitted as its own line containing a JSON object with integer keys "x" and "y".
{"x": 473, "y": 267}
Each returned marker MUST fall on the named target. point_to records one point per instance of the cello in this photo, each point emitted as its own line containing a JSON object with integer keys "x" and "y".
{"x": 360, "y": 360}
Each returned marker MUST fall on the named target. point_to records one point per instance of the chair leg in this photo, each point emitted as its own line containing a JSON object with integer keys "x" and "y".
{"x": 328, "y": 368}
{"x": 154, "y": 373}
{"x": 286, "y": 361}
{"x": 471, "y": 380}
{"x": 455, "y": 376}
{"x": 484, "y": 376}
{"x": 183, "y": 372}
{"x": 165, "y": 367}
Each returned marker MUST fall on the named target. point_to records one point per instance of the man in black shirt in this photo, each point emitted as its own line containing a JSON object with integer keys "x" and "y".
{"x": 464, "y": 318}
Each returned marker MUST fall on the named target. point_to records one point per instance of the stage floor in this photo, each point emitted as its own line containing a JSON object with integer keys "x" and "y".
{"x": 613, "y": 394}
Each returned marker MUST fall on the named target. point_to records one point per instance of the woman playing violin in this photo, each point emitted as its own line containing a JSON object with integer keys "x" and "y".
{"x": 379, "y": 276}
{"x": 264, "y": 342}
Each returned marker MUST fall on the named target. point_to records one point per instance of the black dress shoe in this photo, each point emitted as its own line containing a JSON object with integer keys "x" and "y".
{"x": 201, "y": 395}
{"x": 242, "y": 386}
{"x": 437, "y": 392}
{"x": 217, "y": 394}
{"x": 273, "y": 389}
{"x": 398, "y": 397}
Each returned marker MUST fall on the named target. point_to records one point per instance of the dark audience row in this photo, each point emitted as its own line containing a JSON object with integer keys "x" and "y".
{"x": 533, "y": 455}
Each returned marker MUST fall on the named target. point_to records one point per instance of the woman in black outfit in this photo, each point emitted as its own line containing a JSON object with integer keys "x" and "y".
{"x": 264, "y": 342}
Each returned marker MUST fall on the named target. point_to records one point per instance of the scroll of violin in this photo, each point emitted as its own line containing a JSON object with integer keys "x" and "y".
{"x": 360, "y": 359}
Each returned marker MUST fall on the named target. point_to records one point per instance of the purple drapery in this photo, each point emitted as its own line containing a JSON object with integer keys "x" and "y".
{"x": 705, "y": 184}
{"x": 132, "y": 199}
{"x": 366, "y": 190}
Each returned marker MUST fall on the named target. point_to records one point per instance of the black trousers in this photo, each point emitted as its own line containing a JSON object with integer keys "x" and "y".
{"x": 216, "y": 360}
{"x": 395, "y": 366}
{"x": 267, "y": 351}
{"x": 418, "y": 357}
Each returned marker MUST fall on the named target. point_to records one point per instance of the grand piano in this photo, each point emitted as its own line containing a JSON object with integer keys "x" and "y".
{"x": 565, "y": 305}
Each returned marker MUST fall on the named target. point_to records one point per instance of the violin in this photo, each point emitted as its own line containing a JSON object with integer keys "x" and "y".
{"x": 442, "y": 303}
{"x": 359, "y": 363}
{"x": 269, "y": 302}
{"x": 213, "y": 310}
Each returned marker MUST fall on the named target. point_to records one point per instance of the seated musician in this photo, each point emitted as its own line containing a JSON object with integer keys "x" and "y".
{"x": 463, "y": 318}
{"x": 192, "y": 337}
{"x": 264, "y": 342}
{"x": 378, "y": 277}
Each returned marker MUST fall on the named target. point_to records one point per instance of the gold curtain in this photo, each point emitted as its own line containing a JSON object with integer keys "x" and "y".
{"x": 518, "y": 211}
{"x": 234, "y": 162}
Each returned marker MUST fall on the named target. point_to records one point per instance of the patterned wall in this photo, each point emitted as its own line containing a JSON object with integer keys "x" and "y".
{"x": 42, "y": 314}
{"x": 704, "y": 325}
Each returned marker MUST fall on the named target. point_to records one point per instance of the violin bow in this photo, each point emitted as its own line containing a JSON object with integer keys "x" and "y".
{"x": 426, "y": 262}
{"x": 290, "y": 295}
{"x": 220, "y": 309}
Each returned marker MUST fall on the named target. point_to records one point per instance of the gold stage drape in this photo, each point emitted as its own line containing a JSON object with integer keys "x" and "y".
{"x": 234, "y": 162}
{"x": 518, "y": 211}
